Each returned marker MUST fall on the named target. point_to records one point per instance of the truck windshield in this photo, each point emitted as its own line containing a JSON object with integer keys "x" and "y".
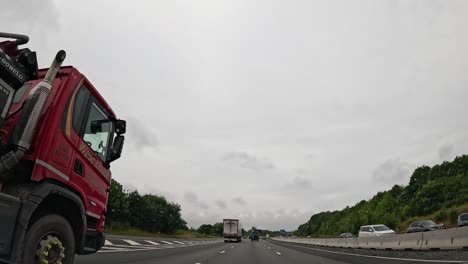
{"x": 98, "y": 141}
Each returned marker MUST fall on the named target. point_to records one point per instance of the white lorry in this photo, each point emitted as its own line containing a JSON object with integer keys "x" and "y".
{"x": 232, "y": 230}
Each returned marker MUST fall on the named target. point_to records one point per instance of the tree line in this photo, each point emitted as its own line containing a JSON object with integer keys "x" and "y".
{"x": 151, "y": 213}
{"x": 432, "y": 191}
{"x": 212, "y": 230}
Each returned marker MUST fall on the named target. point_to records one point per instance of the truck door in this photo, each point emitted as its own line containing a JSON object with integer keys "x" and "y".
{"x": 95, "y": 131}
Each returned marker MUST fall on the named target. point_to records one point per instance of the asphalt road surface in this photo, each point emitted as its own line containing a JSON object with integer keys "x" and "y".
{"x": 141, "y": 251}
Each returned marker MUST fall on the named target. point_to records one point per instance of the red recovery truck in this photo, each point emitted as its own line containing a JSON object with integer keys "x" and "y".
{"x": 58, "y": 137}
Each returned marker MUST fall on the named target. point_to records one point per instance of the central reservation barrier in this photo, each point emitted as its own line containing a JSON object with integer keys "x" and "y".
{"x": 455, "y": 238}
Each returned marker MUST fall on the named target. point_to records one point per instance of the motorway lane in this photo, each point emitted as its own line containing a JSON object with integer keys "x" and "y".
{"x": 266, "y": 253}
{"x": 157, "y": 254}
{"x": 376, "y": 256}
{"x": 244, "y": 252}
{"x": 229, "y": 253}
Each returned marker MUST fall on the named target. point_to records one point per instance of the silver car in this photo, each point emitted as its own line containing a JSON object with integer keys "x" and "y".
{"x": 375, "y": 230}
{"x": 463, "y": 220}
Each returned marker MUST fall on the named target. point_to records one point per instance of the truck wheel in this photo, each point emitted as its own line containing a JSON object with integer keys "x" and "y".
{"x": 49, "y": 240}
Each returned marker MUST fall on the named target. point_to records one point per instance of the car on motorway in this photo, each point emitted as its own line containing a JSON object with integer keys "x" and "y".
{"x": 424, "y": 226}
{"x": 346, "y": 235}
{"x": 254, "y": 236}
{"x": 375, "y": 230}
{"x": 463, "y": 220}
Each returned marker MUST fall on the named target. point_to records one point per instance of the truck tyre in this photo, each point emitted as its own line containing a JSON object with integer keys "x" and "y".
{"x": 49, "y": 240}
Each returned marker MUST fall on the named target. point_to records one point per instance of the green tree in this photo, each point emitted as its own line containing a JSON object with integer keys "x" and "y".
{"x": 218, "y": 229}
{"x": 117, "y": 205}
{"x": 205, "y": 229}
{"x": 430, "y": 189}
{"x": 149, "y": 212}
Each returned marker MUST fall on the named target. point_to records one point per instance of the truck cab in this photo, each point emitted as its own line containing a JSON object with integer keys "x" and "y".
{"x": 53, "y": 199}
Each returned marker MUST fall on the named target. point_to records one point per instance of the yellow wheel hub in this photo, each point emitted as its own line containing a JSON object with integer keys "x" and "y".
{"x": 50, "y": 250}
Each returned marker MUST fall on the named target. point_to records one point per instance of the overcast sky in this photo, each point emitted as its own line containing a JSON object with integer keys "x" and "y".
{"x": 270, "y": 110}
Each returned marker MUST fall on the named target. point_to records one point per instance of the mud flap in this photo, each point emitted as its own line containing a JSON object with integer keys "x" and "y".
{"x": 9, "y": 208}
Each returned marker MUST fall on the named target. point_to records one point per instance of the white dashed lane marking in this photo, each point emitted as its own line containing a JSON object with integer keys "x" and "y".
{"x": 278, "y": 253}
{"x": 131, "y": 242}
{"x": 152, "y": 242}
{"x": 222, "y": 252}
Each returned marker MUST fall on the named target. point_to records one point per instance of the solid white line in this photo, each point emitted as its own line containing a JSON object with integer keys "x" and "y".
{"x": 114, "y": 250}
{"x": 377, "y": 257}
{"x": 131, "y": 242}
{"x": 169, "y": 243}
{"x": 128, "y": 250}
{"x": 152, "y": 243}
{"x": 178, "y": 242}
{"x": 110, "y": 248}
{"x": 108, "y": 243}
{"x": 278, "y": 253}
{"x": 222, "y": 252}
{"x": 129, "y": 246}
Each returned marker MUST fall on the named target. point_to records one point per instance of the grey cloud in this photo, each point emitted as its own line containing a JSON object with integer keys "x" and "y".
{"x": 202, "y": 94}
{"x": 192, "y": 199}
{"x": 300, "y": 182}
{"x": 446, "y": 152}
{"x": 30, "y": 12}
{"x": 239, "y": 200}
{"x": 288, "y": 219}
{"x": 221, "y": 204}
{"x": 302, "y": 171}
{"x": 140, "y": 135}
{"x": 392, "y": 170}
{"x": 248, "y": 161}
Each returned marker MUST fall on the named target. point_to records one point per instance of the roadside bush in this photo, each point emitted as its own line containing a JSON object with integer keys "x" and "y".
{"x": 453, "y": 216}
{"x": 441, "y": 216}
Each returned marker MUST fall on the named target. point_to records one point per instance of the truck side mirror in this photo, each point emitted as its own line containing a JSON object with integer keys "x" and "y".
{"x": 120, "y": 127}
{"x": 96, "y": 126}
{"x": 117, "y": 147}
